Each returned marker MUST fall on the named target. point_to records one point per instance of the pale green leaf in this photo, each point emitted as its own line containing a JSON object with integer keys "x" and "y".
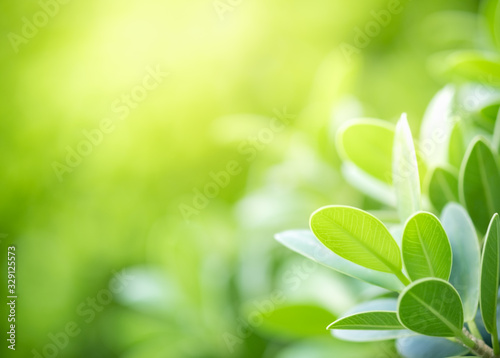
{"x": 473, "y": 66}
{"x": 375, "y": 320}
{"x": 381, "y": 304}
{"x": 428, "y": 347}
{"x": 305, "y": 243}
{"x": 432, "y": 307}
{"x": 396, "y": 232}
{"x": 466, "y": 258}
{"x": 405, "y": 176}
{"x": 368, "y": 144}
{"x": 443, "y": 188}
{"x": 317, "y": 348}
{"x": 426, "y": 249}
{"x": 479, "y": 183}
{"x": 436, "y": 127}
{"x": 358, "y": 237}
{"x": 368, "y": 184}
{"x": 490, "y": 275}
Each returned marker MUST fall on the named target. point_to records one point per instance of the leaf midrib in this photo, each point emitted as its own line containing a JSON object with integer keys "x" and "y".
{"x": 454, "y": 329}
{"x": 368, "y": 248}
{"x": 424, "y": 249}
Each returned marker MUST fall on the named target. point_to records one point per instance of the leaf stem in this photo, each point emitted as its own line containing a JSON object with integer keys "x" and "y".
{"x": 474, "y": 330}
{"x": 400, "y": 275}
{"x": 494, "y": 341}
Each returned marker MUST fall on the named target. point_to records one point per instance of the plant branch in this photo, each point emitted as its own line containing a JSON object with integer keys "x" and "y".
{"x": 476, "y": 346}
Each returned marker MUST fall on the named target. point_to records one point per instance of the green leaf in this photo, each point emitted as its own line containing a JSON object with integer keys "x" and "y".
{"x": 381, "y": 304}
{"x": 368, "y": 185}
{"x": 480, "y": 322}
{"x": 479, "y": 178}
{"x": 405, "y": 175}
{"x": 316, "y": 348}
{"x": 432, "y": 307}
{"x": 436, "y": 127}
{"x": 368, "y": 144}
{"x": 443, "y": 188}
{"x": 466, "y": 261}
{"x": 288, "y": 321}
{"x": 473, "y": 66}
{"x": 426, "y": 249}
{"x": 490, "y": 276}
{"x": 305, "y": 243}
{"x": 428, "y": 347}
{"x": 375, "y": 320}
{"x": 358, "y": 237}
{"x": 456, "y": 146}
{"x": 490, "y": 111}
{"x": 492, "y": 15}
{"x": 496, "y": 134}
{"x": 489, "y": 114}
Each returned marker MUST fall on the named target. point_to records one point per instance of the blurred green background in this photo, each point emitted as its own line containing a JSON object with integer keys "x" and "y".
{"x": 211, "y": 283}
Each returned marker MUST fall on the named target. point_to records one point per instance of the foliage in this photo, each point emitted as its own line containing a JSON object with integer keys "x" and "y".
{"x": 444, "y": 245}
